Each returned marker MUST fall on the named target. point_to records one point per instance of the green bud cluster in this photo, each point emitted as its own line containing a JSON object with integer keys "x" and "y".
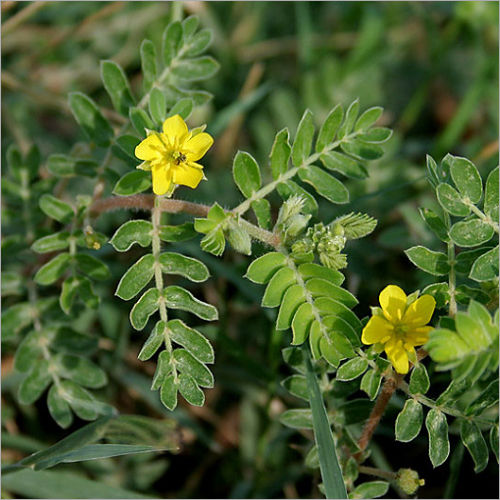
{"x": 409, "y": 481}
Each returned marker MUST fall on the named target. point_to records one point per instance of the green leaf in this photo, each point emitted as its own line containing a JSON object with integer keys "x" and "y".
{"x": 311, "y": 270}
{"x": 319, "y": 287}
{"x": 339, "y": 162}
{"x": 171, "y": 42}
{"x": 53, "y": 270}
{"x": 293, "y": 298}
{"x": 91, "y": 266}
{"x": 193, "y": 341}
{"x": 352, "y": 369}
{"x": 136, "y": 278}
{"x": 329, "y": 128}
{"x": 73, "y": 342}
{"x": 199, "y": 43}
{"x": 81, "y": 286}
{"x": 419, "y": 380}
{"x": 28, "y": 350}
{"x": 133, "y": 183}
{"x": 168, "y": 393}
{"x": 435, "y": 223}
{"x": 182, "y": 107}
{"x": 485, "y": 268}
{"x": 88, "y": 116}
{"x": 149, "y": 63}
{"x": 451, "y": 201}
{"x": 51, "y": 243}
{"x": 485, "y": 400}
{"x": 303, "y": 139}
{"x": 35, "y": 383}
{"x": 473, "y": 440}
{"x": 117, "y": 86}
{"x": 126, "y": 144}
{"x": 81, "y": 401}
{"x": 262, "y": 210}
{"x": 59, "y": 409}
{"x": 178, "y": 298}
{"x": 491, "y": 195}
{"x": 262, "y": 269}
{"x": 197, "y": 69}
{"x": 471, "y": 233}
{"x": 301, "y": 323}
{"x": 466, "y": 179}
{"x": 350, "y": 118}
{"x": 326, "y": 185}
{"x": 52, "y": 484}
{"x": 181, "y": 232}
{"x": 331, "y": 473}
{"x": 435, "y": 263}
{"x": 66, "y": 166}
{"x": 280, "y": 153}
{"x": 192, "y": 269}
{"x": 189, "y": 26}
{"x": 370, "y": 383}
{"x": 362, "y": 150}
{"x": 297, "y": 385}
{"x": 277, "y": 287}
{"x": 409, "y": 421}
{"x": 370, "y": 489}
{"x": 141, "y": 121}
{"x": 297, "y": 419}
{"x": 376, "y": 135}
{"x": 56, "y": 209}
{"x": 189, "y": 365}
{"x": 157, "y": 105}
{"x": 190, "y": 390}
{"x": 146, "y": 306}
{"x": 163, "y": 369}
{"x": 246, "y": 174}
{"x": 437, "y": 427}
{"x": 154, "y": 341}
{"x": 368, "y": 118}
{"x": 133, "y": 231}
{"x": 81, "y": 370}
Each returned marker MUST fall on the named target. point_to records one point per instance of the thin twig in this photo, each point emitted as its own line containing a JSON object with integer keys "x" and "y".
{"x": 378, "y": 410}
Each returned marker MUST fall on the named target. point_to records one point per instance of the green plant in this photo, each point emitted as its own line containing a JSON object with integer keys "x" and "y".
{"x": 291, "y": 249}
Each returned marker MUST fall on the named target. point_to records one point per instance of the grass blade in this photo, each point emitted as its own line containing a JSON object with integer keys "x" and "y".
{"x": 329, "y": 464}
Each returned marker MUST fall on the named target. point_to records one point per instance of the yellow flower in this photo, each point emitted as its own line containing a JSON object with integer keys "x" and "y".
{"x": 171, "y": 155}
{"x": 399, "y": 327}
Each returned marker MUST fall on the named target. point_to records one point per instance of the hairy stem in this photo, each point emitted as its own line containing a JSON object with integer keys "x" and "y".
{"x": 378, "y": 410}
{"x": 147, "y": 201}
{"x": 156, "y": 249}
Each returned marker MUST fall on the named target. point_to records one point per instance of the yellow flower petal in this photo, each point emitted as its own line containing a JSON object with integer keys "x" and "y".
{"x": 420, "y": 312}
{"x": 162, "y": 179}
{"x": 197, "y": 146}
{"x": 375, "y": 330}
{"x": 150, "y": 148}
{"x": 393, "y": 302}
{"x": 418, "y": 336}
{"x": 397, "y": 355}
{"x": 187, "y": 176}
{"x": 175, "y": 129}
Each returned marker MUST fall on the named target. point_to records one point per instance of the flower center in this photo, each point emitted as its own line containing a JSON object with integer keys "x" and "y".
{"x": 179, "y": 157}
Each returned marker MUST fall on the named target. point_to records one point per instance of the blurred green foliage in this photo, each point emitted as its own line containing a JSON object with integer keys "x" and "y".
{"x": 433, "y": 66}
